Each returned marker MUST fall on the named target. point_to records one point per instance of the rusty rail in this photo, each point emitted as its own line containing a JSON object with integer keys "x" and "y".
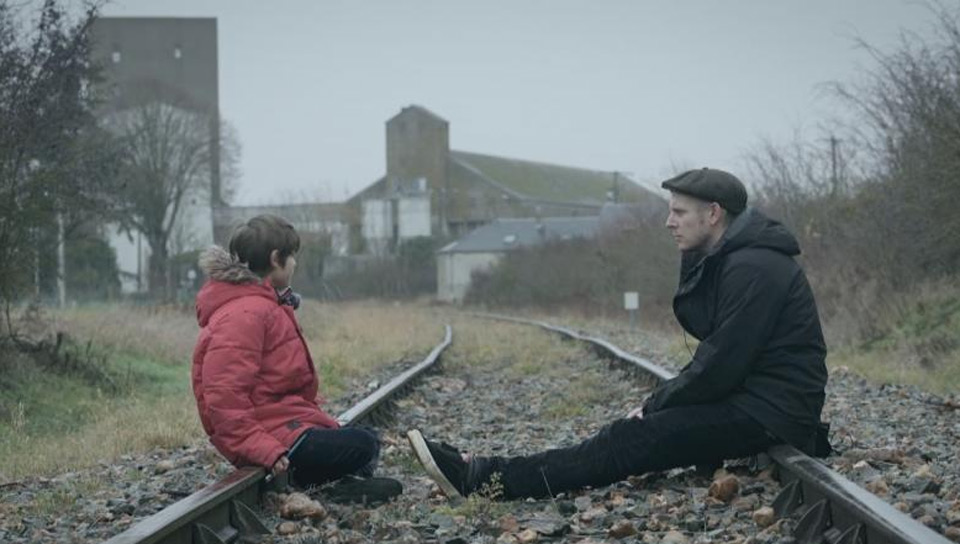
{"x": 223, "y": 512}
{"x": 831, "y": 508}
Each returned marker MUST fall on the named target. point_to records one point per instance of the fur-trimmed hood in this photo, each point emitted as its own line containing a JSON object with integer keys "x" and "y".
{"x": 218, "y": 264}
{"x": 228, "y": 279}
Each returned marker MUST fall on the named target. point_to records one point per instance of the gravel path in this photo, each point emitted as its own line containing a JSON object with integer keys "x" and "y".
{"x": 899, "y": 442}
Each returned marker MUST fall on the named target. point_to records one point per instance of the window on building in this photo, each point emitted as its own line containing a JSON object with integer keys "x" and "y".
{"x": 115, "y": 56}
{"x": 177, "y": 53}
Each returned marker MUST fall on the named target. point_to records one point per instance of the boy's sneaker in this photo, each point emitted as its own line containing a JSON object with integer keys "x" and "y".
{"x": 445, "y": 465}
{"x": 351, "y": 489}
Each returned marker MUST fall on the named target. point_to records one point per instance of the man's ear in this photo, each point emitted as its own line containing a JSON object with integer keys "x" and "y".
{"x": 716, "y": 213}
{"x": 275, "y": 259}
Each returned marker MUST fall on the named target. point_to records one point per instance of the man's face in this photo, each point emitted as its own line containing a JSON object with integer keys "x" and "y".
{"x": 690, "y": 222}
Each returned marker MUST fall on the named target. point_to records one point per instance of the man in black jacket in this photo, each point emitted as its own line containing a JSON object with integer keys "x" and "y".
{"x": 756, "y": 379}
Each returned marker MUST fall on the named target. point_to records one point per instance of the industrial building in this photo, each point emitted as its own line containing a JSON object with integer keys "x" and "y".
{"x": 430, "y": 190}
{"x": 172, "y": 61}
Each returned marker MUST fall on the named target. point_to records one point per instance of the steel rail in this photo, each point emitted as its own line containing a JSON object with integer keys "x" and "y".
{"x": 831, "y": 508}
{"x": 223, "y": 512}
{"x": 376, "y": 400}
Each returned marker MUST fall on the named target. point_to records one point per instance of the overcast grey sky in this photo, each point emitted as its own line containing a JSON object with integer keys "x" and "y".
{"x": 638, "y": 86}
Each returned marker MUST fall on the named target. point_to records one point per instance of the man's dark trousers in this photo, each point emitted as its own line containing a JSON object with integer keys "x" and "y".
{"x": 675, "y": 437}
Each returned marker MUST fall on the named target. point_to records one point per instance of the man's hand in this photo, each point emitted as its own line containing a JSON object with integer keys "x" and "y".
{"x": 280, "y": 466}
{"x": 636, "y": 412}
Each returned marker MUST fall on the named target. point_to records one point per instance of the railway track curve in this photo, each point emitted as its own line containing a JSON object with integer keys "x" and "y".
{"x": 831, "y": 508}
{"x": 826, "y": 507}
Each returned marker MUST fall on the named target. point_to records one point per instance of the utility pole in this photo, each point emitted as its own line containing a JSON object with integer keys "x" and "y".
{"x": 139, "y": 264}
{"x": 61, "y": 263}
{"x": 36, "y": 266}
{"x": 834, "y": 178}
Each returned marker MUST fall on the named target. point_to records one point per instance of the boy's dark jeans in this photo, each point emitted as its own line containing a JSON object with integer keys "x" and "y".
{"x": 676, "y": 437}
{"x": 329, "y": 454}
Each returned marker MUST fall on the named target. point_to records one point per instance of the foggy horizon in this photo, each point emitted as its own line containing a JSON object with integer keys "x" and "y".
{"x": 639, "y": 88}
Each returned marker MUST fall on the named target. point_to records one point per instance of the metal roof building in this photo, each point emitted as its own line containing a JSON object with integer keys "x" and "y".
{"x": 486, "y": 245}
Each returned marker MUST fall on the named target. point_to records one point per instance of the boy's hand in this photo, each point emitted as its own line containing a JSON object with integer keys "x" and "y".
{"x": 280, "y": 466}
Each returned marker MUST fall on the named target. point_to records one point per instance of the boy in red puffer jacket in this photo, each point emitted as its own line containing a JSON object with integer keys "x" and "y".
{"x": 253, "y": 377}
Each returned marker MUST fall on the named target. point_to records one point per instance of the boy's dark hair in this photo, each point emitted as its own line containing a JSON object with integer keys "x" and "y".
{"x": 253, "y": 242}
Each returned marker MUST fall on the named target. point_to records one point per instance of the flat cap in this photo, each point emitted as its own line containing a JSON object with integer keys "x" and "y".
{"x": 711, "y": 185}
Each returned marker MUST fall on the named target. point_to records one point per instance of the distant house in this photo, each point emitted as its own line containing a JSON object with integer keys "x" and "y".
{"x": 486, "y": 245}
{"x": 430, "y": 190}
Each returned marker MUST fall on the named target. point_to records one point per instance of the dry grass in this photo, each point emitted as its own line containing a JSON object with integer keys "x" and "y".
{"x": 352, "y": 340}
{"x": 52, "y": 501}
{"x": 165, "y": 335}
{"x": 924, "y": 318}
{"x": 916, "y": 339}
{"x": 518, "y": 349}
{"x": 584, "y": 390}
{"x": 900, "y": 367}
{"x": 121, "y": 426}
{"x": 347, "y": 341}
{"x": 522, "y": 351}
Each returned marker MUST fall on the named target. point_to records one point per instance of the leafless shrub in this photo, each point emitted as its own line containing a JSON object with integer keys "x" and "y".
{"x": 590, "y": 274}
{"x": 874, "y": 209}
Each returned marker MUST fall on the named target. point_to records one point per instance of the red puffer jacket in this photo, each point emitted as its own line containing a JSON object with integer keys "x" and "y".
{"x": 254, "y": 380}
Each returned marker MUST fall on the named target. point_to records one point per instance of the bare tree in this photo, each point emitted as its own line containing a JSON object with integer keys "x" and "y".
{"x": 167, "y": 158}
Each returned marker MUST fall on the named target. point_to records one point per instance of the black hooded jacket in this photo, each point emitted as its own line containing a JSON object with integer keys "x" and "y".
{"x": 761, "y": 345}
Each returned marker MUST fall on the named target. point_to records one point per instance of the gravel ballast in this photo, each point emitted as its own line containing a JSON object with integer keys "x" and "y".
{"x": 898, "y": 442}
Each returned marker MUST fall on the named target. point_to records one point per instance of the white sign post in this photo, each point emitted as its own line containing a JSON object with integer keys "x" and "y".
{"x": 631, "y": 302}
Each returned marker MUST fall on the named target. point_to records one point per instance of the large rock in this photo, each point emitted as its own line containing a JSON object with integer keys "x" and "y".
{"x": 287, "y": 528}
{"x": 675, "y": 537}
{"x": 764, "y": 517}
{"x": 725, "y": 488}
{"x": 164, "y": 466}
{"x": 622, "y": 529}
{"x": 593, "y": 515}
{"x": 508, "y": 524}
{"x": 878, "y": 487}
{"x": 886, "y": 455}
{"x": 527, "y": 536}
{"x": 547, "y": 525}
{"x": 298, "y": 506}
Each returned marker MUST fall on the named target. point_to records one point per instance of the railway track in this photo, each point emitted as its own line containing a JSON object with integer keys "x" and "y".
{"x": 830, "y": 508}
{"x": 225, "y": 511}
